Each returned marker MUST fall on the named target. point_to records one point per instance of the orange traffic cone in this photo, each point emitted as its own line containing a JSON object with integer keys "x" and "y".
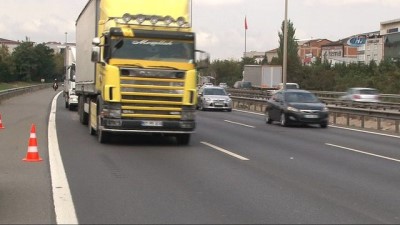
{"x": 33, "y": 154}
{"x": 1, "y": 124}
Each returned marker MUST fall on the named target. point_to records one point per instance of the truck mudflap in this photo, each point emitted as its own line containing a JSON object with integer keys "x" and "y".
{"x": 147, "y": 126}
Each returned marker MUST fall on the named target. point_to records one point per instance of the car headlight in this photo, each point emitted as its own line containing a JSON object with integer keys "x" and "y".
{"x": 208, "y": 99}
{"x": 325, "y": 109}
{"x": 290, "y": 108}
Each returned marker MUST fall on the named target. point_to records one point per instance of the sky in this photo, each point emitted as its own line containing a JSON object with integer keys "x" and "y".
{"x": 219, "y": 24}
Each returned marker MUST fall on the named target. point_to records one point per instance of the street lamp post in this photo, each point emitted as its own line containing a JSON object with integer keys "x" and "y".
{"x": 285, "y": 48}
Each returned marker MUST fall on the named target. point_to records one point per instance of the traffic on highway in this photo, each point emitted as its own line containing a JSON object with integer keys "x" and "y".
{"x": 237, "y": 169}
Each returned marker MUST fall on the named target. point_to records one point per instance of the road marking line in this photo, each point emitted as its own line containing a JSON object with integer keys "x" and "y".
{"x": 224, "y": 151}
{"x": 241, "y": 124}
{"x": 63, "y": 204}
{"x": 362, "y": 152}
{"x": 363, "y": 131}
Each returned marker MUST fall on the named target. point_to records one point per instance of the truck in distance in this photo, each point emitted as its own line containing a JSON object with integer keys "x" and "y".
{"x": 70, "y": 98}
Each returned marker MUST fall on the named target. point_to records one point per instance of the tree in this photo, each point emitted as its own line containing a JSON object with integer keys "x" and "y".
{"x": 5, "y": 65}
{"x": 45, "y": 67}
{"x": 294, "y": 67}
{"x": 25, "y": 60}
{"x": 227, "y": 71}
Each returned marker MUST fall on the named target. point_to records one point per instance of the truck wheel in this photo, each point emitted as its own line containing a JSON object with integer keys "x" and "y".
{"x": 102, "y": 136}
{"x": 83, "y": 117}
{"x": 183, "y": 139}
{"x": 91, "y": 130}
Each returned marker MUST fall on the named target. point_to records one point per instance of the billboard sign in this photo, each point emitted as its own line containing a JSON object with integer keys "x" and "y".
{"x": 357, "y": 41}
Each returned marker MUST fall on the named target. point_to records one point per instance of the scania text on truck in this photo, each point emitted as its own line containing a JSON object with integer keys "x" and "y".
{"x": 71, "y": 99}
{"x": 137, "y": 68}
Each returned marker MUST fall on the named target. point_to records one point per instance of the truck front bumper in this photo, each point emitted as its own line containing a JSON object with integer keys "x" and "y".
{"x": 147, "y": 126}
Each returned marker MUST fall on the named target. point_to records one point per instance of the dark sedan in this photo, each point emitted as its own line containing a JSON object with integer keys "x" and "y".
{"x": 295, "y": 106}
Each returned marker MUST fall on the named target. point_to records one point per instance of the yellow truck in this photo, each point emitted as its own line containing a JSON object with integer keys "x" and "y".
{"x": 136, "y": 68}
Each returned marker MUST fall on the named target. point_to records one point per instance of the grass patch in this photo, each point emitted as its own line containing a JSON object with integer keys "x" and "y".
{"x": 5, "y": 86}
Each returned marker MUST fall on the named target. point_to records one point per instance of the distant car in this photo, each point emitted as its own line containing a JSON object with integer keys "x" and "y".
{"x": 289, "y": 86}
{"x": 361, "y": 94}
{"x": 208, "y": 85}
{"x": 223, "y": 85}
{"x": 214, "y": 98}
{"x": 296, "y": 106}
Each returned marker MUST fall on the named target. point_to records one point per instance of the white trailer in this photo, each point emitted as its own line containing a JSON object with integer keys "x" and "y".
{"x": 263, "y": 76}
{"x": 71, "y": 99}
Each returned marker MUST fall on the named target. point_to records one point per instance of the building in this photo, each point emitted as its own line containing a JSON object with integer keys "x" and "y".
{"x": 310, "y": 50}
{"x": 9, "y": 43}
{"x": 339, "y": 52}
{"x": 259, "y": 56}
{"x": 391, "y": 43}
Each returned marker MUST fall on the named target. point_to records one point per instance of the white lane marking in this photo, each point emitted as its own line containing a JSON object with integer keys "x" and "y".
{"x": 243, "y": 111}
{"x": 225, "y": 151}
{"x": 241, "y": 124}
{"x": 362, "y": 152}
{"x": 63, "y": 204}
{"x": 364, "y": 131}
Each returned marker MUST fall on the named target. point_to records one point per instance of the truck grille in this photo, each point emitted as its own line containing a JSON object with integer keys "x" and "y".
{"x": 152, "y": 94}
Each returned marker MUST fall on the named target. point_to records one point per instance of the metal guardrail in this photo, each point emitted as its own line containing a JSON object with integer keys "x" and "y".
{"x": 389, "y": 101}
{"x": 339, "y": 115}
{"x": 6, "y": 94}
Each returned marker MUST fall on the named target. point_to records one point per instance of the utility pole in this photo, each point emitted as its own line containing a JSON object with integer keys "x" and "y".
{"x": 285, "y": 48}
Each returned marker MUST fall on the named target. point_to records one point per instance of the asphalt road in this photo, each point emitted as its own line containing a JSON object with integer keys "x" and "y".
{"x": 237, "y": 170}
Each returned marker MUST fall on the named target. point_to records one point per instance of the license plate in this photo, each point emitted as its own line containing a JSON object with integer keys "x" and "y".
{"x": 151, "y": 123}
{"x": 311, "y": 116}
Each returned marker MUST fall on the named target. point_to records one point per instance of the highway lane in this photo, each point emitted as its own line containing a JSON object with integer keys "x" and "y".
{"x": 236, "y": 170}
{"x": 25, "y": 188}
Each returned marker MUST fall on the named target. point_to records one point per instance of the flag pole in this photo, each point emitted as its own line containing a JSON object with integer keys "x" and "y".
{"x": 245, "y": 35}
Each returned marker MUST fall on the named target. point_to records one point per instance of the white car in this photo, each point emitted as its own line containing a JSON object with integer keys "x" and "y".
{"x": 214, "y": 98}
{"x": 361, "y": 94}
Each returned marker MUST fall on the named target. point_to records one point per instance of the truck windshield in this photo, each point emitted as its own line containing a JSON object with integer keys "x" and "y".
{"x": 151, "y": 49}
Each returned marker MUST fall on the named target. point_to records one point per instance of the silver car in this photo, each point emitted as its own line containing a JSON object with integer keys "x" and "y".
{"x": 214, "y": 98}
{"x": 361, "y": 94}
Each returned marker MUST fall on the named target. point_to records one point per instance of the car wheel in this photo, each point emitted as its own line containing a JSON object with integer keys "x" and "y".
{"x": 284, "y": 122}
{"x": 324, "y": 125}
{"x": 201, "y": 107}
{"x": 268, "y": 119}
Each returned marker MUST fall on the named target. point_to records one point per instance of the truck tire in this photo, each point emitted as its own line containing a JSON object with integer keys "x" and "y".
{"x": 91, "y": 130}
{"x": 83, "y": 117}
{"x": 102, "y": 136}
{"x": 182, "y": 139}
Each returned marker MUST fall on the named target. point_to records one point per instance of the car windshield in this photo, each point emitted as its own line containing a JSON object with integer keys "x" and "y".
{"x": 214, "y": 91}
{"x": 149, "y": 49}
{"x": 301, "y": 97}
{"x": 368, "y": 91}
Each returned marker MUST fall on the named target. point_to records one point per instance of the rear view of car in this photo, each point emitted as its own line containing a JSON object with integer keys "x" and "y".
{"x": 361, "y": 95}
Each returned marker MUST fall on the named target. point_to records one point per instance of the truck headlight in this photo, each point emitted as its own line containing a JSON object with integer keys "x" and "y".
{"x": 112, "y": 111}
{"x": 188, "y": 114}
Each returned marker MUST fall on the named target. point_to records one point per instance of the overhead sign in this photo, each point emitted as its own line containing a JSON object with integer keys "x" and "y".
{"x": 357, "y": 41}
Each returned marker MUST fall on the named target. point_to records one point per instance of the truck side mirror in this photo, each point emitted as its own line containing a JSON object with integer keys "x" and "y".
{"x": 96, "y": 54}
{"x": 202, "y": 59}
